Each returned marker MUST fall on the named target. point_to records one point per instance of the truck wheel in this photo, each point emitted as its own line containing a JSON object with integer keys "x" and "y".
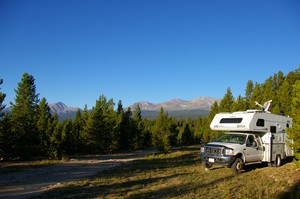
{"x": 277, "y": 162}
{"x": 206, "y": 165}
{"x": 237, "y": 166}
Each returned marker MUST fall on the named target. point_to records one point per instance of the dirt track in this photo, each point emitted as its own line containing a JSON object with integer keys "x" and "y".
{"x": 31, "y": 181}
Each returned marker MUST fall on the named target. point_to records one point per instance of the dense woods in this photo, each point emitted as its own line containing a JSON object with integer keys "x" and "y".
{"x": 30, "y": 130}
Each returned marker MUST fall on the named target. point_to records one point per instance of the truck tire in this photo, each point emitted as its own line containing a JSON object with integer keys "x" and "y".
{"x": 206, "y": 165}
{"x": 277, "y": 162}
{"x": 238, "y": 165}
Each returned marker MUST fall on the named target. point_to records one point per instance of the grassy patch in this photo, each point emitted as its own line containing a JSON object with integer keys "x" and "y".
{"x": 180, "y": 175}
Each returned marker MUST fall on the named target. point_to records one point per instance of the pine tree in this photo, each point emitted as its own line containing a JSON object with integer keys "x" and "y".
{"x": 226, "y": 102}
{"x": 174, "y": 131}
{"x": 67, "y": 138}
{"x": 24, "y": 110}
{"x": 126, "y": 130}
{"x": 256, "y": 96}
{"x": 116, "y": 133}
{"x": 198, "y": 130}
{"x": 187, "y": 137}
{"x": 161, "y": 132}
{"x": 100, "y": 125}
{"x": 56, "y": 149}
{"x": 2, "y": 97}
{"x": 267, "y": 92}
{"x": 248, "y": 93}
{"x": 285, "y": 96}
{"x": 208, "y": 134}
{"x": 5, "y": 140}
{"x": 138, "y": 126}
{"x": 7, "y": 147}
{"x": 239, "y": 105}
{"x": 294, "y": 132}
{"x": 44, "y": 120}
{"x": 78, "y": 126}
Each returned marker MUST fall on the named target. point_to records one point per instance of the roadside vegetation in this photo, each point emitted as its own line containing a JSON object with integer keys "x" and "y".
{"x": 179, "y": 174}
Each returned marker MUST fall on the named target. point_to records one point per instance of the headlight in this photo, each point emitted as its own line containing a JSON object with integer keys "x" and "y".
{"x": 228, "y": 151}
{"x": 202, "y": 149}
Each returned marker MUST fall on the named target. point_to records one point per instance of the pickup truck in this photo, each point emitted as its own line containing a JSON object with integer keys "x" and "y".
{"x": 233, "y": 150}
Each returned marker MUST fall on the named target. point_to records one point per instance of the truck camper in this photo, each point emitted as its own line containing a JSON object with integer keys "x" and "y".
{"x": 251, "y": 137}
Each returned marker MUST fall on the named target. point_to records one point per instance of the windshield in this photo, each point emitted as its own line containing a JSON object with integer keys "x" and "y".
{"x": 232, "y": 138}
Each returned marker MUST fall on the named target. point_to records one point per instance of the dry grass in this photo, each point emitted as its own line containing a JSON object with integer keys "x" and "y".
{"x": 180, "y": 175}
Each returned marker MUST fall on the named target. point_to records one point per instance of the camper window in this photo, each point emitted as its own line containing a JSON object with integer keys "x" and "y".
{"x": 260, "y": 122}
{"x": 231, "y": 120}
{"x": 273, "y": 129}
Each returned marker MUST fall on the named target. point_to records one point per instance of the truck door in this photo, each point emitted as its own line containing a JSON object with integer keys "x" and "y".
{"x": 253, "y": 149}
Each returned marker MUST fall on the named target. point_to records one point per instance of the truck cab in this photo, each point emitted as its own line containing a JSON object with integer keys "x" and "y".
{"x": 249, "y": 137}
{"x": 229, "y": 147}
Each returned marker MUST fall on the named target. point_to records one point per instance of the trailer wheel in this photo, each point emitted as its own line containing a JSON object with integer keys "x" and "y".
{"x": 237, "y": 166}
{"x": 277, "y": 162}
{"x": 206, "y": 165}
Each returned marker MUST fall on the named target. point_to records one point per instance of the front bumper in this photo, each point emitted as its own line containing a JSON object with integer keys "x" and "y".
{"x": 226, "y": 160}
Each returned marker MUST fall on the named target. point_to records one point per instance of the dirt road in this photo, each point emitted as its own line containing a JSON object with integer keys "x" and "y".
{"x": 31, "y": 181}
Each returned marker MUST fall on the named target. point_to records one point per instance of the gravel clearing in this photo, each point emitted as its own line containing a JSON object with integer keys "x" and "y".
{"x": 28, "y": 181}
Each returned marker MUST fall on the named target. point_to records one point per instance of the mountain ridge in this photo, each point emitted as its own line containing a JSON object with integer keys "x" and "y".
{"x": 177, "y": 104}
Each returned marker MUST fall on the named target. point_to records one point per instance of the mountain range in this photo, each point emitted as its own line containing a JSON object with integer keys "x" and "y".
{"x": 177, "y": 104}
{"x": 178, "y": 108}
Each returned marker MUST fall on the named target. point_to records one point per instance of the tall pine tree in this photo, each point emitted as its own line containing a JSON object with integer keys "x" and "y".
{"x": 24, "y": 110}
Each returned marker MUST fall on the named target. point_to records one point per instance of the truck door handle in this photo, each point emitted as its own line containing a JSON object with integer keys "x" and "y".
{"x": 244, "y": 149}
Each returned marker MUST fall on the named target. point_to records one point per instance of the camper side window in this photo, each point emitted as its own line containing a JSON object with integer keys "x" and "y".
{"x": 260, "y": 122}
{"x": 231, "y": 120}
{"x": 273, "y": 129}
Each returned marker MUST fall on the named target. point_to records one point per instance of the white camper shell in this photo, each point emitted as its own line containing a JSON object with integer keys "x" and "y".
{"x": 268, "y": 131}
{"x": 251, "y": 121}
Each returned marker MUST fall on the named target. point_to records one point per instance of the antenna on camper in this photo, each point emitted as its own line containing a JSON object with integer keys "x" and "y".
{"x": 266, "y": 105}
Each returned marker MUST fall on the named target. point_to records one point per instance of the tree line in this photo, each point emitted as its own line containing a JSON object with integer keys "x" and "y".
{"x": 30, "y": 130}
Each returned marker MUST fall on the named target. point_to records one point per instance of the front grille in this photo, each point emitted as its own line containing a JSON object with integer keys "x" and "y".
{"x": 213, "y": 150}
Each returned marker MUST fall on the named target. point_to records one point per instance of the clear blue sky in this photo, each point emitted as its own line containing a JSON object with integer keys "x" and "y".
{"x": 145, "y": 50}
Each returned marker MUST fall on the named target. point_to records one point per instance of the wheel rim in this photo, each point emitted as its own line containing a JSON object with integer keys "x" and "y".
{"x": 239, "y": 166}
{"x": 278, "y": 161}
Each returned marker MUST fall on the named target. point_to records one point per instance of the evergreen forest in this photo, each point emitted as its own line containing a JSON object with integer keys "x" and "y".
{"x": 30, "y": 130}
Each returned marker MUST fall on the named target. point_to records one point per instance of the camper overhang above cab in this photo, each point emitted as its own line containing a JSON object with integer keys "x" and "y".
{"x": 250, "y": 120}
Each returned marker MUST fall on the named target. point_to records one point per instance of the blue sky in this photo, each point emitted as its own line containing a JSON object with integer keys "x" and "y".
{"x": 145, "y": 50}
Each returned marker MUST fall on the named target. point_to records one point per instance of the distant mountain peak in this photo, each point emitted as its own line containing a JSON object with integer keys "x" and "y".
{"x": 60, "y": 107}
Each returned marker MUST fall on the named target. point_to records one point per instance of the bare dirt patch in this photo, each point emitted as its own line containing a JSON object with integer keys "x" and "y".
{"x": 26, "y": 179}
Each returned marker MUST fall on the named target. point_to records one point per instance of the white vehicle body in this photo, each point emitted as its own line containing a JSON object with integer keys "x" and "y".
{"x": 252, "y": 136}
